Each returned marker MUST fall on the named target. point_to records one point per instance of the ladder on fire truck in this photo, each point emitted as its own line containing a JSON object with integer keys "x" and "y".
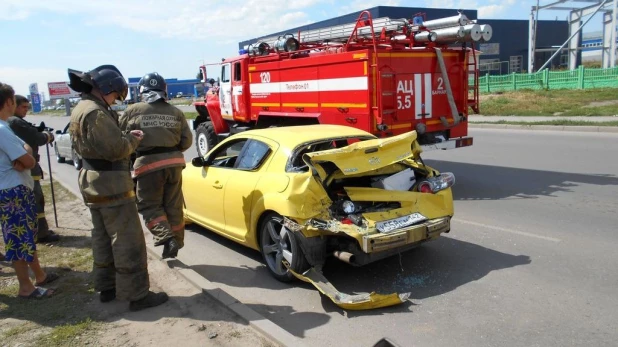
{"x": 384, "y": 31}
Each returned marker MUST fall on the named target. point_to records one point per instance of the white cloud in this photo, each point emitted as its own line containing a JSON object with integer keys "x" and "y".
{"x": 232, "y": 20}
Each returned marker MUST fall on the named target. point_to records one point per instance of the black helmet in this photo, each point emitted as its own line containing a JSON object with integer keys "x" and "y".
{"x": 107, "y": 78}
{"x": 152, "y": 81}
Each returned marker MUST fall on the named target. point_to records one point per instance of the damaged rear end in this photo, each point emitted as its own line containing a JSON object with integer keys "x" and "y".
{"x": 384, "y": 201}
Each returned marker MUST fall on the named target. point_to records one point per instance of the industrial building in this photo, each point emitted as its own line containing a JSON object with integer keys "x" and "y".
{"x": 175, "y": 88}
{"x": 506, "y": 52}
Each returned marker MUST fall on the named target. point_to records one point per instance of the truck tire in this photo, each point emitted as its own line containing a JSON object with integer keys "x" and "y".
{"x": 205, "y": 138}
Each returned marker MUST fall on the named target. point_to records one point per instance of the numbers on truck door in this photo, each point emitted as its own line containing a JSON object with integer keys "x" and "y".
{"x": 404, "y": 103}
{"x": 265, "y": 77}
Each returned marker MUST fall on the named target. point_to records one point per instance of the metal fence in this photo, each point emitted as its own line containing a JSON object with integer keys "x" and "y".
{"x": 580, "y": 78}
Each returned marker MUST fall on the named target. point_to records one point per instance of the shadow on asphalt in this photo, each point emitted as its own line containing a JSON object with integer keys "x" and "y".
{"x": 487, "y": 182}
{"x": 433, "y": 269}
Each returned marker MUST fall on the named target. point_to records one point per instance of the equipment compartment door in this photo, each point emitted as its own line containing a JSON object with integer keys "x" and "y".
{"x": 225, "y": 91}
{"x": 414, "y": 96}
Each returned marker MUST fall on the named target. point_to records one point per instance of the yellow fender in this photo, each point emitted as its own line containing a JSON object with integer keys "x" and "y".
{"x": 364, "y": 301}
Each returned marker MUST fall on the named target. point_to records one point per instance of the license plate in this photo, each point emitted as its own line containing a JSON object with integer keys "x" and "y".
{"x": 398, "y": 223}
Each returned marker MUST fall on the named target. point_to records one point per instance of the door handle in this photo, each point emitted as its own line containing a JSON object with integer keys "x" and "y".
{"x": 217, "y": 185}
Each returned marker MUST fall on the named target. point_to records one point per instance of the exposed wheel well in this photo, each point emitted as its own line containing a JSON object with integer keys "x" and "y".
{"x": 258, "y": 226}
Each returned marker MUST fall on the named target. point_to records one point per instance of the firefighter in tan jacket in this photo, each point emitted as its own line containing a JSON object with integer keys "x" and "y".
{"x": 118, "y": 243}
{"x": 159, "y": 162}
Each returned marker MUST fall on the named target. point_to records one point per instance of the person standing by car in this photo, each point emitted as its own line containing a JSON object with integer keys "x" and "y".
{"x": 34, "y": 138}
{"x": 159, "y": 162}
{"x": 17, "y": 208}
{"x": 119, "y": 246}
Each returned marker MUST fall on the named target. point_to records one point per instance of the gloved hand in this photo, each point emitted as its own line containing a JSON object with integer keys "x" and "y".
{"x": 50, "y": 136}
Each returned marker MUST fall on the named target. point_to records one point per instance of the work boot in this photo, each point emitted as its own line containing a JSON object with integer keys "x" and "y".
{"x": 152, "y": 299}
{"x": 170, "y": 249}
{"x": 107, "y": 295}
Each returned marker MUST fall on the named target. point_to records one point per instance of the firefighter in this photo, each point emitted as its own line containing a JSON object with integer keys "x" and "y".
{"x": 34, "y": 137}
{"x": 159, "y": 162}
{"x": 119, "y": 246}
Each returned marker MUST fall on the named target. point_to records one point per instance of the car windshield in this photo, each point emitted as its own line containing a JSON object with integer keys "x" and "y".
{"x": 296, "y": 163}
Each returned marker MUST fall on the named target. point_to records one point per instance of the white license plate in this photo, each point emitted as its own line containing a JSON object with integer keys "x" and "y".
{"x": 398, "y": 223}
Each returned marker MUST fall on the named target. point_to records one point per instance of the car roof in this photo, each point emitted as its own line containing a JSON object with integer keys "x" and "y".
{"x": 291, "y": 136}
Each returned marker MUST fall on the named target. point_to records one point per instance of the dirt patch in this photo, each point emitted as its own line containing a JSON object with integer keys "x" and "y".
{"x": 75, "y": 317}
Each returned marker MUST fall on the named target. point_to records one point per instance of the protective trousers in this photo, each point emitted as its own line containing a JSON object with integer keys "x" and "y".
{"x": 39, "y": 198}
{"x": 119, "y": 251}
{"x": 160, "y": 201}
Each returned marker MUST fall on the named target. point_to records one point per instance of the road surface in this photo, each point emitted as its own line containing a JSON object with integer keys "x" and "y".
{"x": 531, "y": 259}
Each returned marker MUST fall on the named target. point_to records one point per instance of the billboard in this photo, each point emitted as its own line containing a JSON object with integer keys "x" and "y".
{"x": 61, "y": 90}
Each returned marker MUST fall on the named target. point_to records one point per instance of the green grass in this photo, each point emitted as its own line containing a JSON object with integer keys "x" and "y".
{"x": 559, "y": 122}
{"x": 587, "y": 102}
{"x": 64, "y": 335}
{"x": 191, "y": 115}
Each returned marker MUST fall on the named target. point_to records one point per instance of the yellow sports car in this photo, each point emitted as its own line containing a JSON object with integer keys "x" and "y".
{"x": 301, "y": 194}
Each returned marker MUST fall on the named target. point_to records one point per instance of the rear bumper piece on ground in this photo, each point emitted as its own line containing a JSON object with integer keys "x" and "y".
{"x": 364, "y": 301}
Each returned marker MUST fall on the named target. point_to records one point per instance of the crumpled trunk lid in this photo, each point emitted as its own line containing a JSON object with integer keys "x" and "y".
{"x": 364, "y": 156}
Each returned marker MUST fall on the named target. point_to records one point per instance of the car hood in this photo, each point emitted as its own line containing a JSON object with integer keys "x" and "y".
{"x": 364, "y": 156}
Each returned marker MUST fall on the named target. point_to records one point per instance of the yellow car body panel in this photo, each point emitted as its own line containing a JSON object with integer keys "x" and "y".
{"x": 230, "y": 202}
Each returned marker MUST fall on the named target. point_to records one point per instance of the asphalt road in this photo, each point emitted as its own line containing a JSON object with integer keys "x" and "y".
{"x": 531, "y": 259}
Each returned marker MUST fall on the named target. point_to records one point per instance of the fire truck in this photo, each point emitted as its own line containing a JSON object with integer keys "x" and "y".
{"x": 385, "y": 76}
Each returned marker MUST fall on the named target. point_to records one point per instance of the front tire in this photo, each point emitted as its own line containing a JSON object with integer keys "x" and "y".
{"x": 278, "y": 243}
{"x": 58, "y": 157}
{"x": 205, "y": 138}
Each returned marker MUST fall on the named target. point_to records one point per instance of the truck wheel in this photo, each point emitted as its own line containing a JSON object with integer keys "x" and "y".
{"x": 205, "y": 138}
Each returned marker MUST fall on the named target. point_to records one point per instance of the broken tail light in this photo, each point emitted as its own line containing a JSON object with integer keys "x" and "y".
{"x": 435, "y": 184}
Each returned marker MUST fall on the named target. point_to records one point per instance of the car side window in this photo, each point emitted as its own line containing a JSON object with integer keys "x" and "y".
{"x": 253, "y": 155}
{"x": 228, "y": 155}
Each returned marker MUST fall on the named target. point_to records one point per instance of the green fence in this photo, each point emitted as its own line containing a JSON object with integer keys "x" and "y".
{"x": 581, "y": 78}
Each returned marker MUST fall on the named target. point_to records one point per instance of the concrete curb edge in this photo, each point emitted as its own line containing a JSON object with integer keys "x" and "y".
{"x": 258, "y": 322}
{"x": 576, "y": 128}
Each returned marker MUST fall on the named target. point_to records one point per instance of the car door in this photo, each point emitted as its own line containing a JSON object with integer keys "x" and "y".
{"x": 63, "y": 142}
{"x": 225, "y": 92}
{"x": 205, "y": 204}
{"x": 240, "y": 191}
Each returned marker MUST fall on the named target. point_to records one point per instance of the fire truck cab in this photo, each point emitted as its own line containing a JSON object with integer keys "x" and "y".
{"x": 385, "y": 76}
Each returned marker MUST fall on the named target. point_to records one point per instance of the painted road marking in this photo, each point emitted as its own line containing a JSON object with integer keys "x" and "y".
{"x": 512, "y": 231}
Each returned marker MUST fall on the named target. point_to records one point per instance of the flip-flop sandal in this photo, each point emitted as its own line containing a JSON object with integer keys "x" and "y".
{"x": 51, "y": 276}
{"x": 39, "y": 293}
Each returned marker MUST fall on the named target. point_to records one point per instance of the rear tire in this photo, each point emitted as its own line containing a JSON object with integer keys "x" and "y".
{"x": 278, "y": 243}
{"x": 77, "y": 162}
{"x": 205, "y": 138}
{"x": 58, "y": 157}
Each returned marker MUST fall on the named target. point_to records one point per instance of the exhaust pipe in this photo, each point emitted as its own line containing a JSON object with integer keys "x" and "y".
{"x": 345, "y": 257}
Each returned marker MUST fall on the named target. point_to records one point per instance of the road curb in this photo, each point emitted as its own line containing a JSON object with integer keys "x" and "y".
{"x": 258, "y": 322}
{"x": 575, "y": 128}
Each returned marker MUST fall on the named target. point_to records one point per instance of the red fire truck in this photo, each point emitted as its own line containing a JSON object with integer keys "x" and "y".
{"x": 386, "y": 76}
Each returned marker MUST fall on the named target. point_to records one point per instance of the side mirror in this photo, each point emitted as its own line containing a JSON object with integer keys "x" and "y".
{"x": 198, "y": 162}
{"x": 58, "y": 132}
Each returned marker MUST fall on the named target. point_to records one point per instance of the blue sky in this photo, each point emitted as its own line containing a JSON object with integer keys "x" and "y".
{"x": 171, "y": 37}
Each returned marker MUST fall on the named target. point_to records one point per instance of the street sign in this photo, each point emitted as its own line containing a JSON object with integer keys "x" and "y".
{"x": 34, "y": 88}
{"x": 35, "y": 99}
{"x": 61, "y": 90}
